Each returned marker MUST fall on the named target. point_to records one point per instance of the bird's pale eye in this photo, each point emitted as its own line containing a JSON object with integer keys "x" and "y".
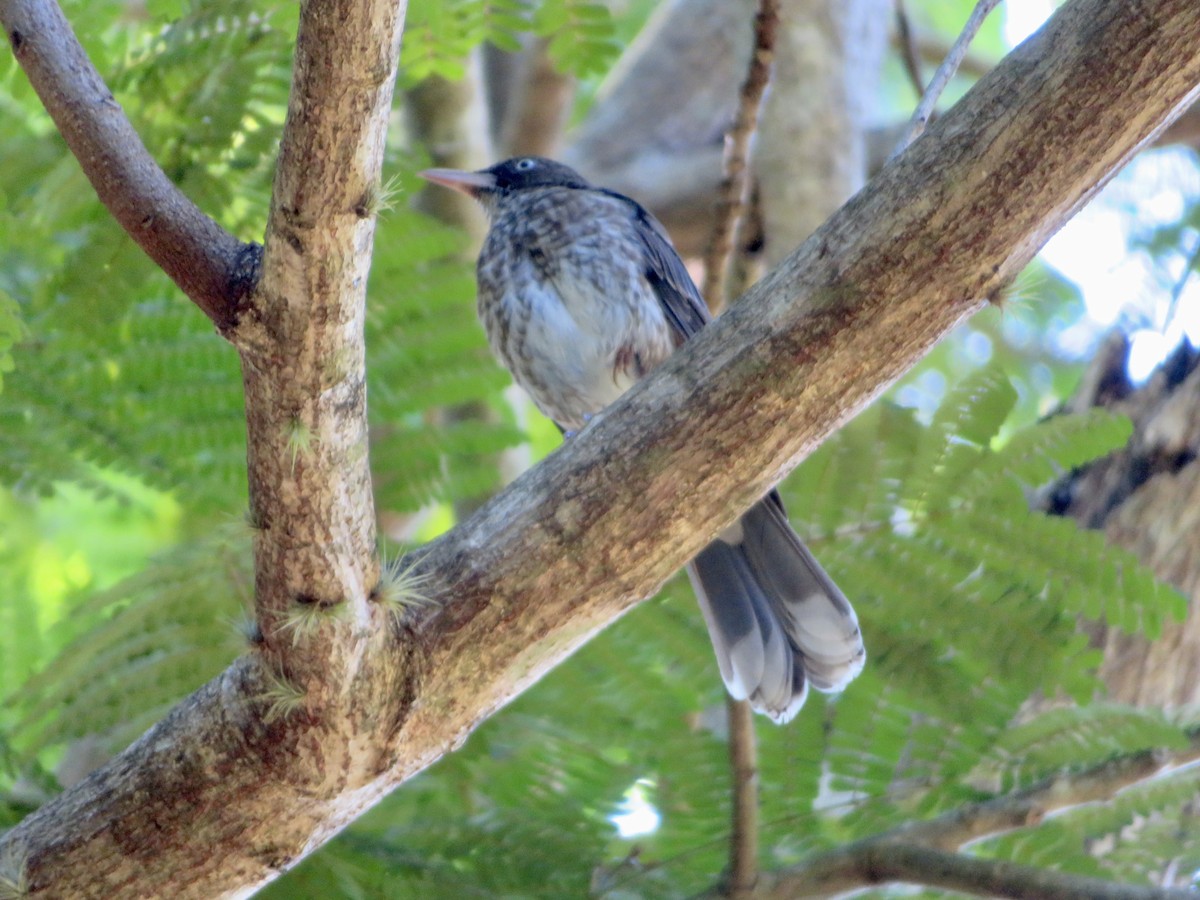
{"x": 525, "y": 165}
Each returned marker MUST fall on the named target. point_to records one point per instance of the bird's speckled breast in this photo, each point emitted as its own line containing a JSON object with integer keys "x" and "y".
{"x": 565, "y": 302}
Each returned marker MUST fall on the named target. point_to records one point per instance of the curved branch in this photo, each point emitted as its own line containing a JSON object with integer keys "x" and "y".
{"x": 901, "y": 854}
{"x": 216, "y": 270}
{"x": 880, "y": 863}
{"x": 216, "y": 798}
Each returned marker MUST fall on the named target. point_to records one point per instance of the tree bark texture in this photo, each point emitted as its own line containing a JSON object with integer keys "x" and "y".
{"x": 267, "y": 761}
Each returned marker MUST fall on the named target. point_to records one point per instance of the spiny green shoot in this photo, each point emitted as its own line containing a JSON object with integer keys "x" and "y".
{"x": 400, "y": 588}
{"x": 251, "y": 520}
{"x": 304, "y": 617}
{"x": 14, "y": 881}
{"x": 282, "y": 698}
{"x": 247, "y": 627}
{"x": 300, "y": 441}
{"x": 380, "y": 198}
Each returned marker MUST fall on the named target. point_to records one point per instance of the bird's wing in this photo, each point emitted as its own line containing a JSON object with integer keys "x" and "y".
{"x": 680, "y": 298}
{"x": 681, "y": 302}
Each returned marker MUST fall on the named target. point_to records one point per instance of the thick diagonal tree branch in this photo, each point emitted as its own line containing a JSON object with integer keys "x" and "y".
{"x": 210, "y": 265}
{"x": 219, "y": 797}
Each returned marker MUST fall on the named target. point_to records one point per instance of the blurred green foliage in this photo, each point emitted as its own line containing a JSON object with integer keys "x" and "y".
{"x": 124, "y": 564}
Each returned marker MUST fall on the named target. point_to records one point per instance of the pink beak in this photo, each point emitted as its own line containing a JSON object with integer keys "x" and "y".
{"x": 469, "y": 183}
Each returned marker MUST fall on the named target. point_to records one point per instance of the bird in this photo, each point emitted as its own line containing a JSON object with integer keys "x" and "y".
{"x": 581, "y": 294}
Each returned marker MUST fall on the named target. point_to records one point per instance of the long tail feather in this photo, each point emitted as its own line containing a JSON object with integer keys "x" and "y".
{"x": 778, "y": 623}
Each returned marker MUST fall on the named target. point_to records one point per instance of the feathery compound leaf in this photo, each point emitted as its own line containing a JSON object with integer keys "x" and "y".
{"x": 140, "y": 646}
{"x": 943, "y": 602}
{"x": 850, "y": 483}
{"x": 1072, "y": 739}
{"x": 1144, "y": 831}
{"x": 11, "y": 330}
{"x": 962, "y": 429}
{"x": 163, "y": 403}
{"x": 1048, "y": 450}
{"x": 581, "y": 33}
{"x": 1158, "y": 834}
{"x": 1080, "y": 569}
{"x": 440, "y": 35}
{"x": 427, "y": 353}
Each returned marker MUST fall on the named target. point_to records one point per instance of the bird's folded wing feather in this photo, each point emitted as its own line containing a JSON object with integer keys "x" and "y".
{"x": 668, "y": 276}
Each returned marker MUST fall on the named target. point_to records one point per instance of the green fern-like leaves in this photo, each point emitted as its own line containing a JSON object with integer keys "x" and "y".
{"x": 10, "y": 332}
{"x": 116, "y": 369}
{"x": 1147, "y": 832}
{"x": 581, "y": 35}
{"x": 968, "y": 600}
{"x": 1074, "y": 738}
{"x": 426, "y": 353}
{"x": 439, "y": 36}
{"x": 140, "y": 646}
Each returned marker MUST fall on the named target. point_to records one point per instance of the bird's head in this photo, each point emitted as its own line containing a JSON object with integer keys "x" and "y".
{"x": 511, "y": 175}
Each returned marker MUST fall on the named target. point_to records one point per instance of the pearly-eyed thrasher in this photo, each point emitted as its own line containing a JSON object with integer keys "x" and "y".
{"x": 581, "y": 294}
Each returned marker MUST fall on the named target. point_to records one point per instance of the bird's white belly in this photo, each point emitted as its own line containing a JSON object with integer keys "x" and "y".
{"x": 575, "y": 374}
{"x": 576, "y": 322}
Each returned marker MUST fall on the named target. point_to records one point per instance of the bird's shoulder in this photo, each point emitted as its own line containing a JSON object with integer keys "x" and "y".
{"x": 666, "y": 272}
{"x": 545, "y": 221}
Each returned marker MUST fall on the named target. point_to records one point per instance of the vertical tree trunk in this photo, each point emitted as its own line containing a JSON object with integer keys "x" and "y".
{"x": 812, "y": 149}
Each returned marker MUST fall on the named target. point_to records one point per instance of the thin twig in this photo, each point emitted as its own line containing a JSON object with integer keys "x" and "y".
{"x": 210, "y": 265}
{"x": 743, "y": 839}
{"x": 909, "y": 54}
{"x": 941, "y": 78}
{"x": 735, "y": 187}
